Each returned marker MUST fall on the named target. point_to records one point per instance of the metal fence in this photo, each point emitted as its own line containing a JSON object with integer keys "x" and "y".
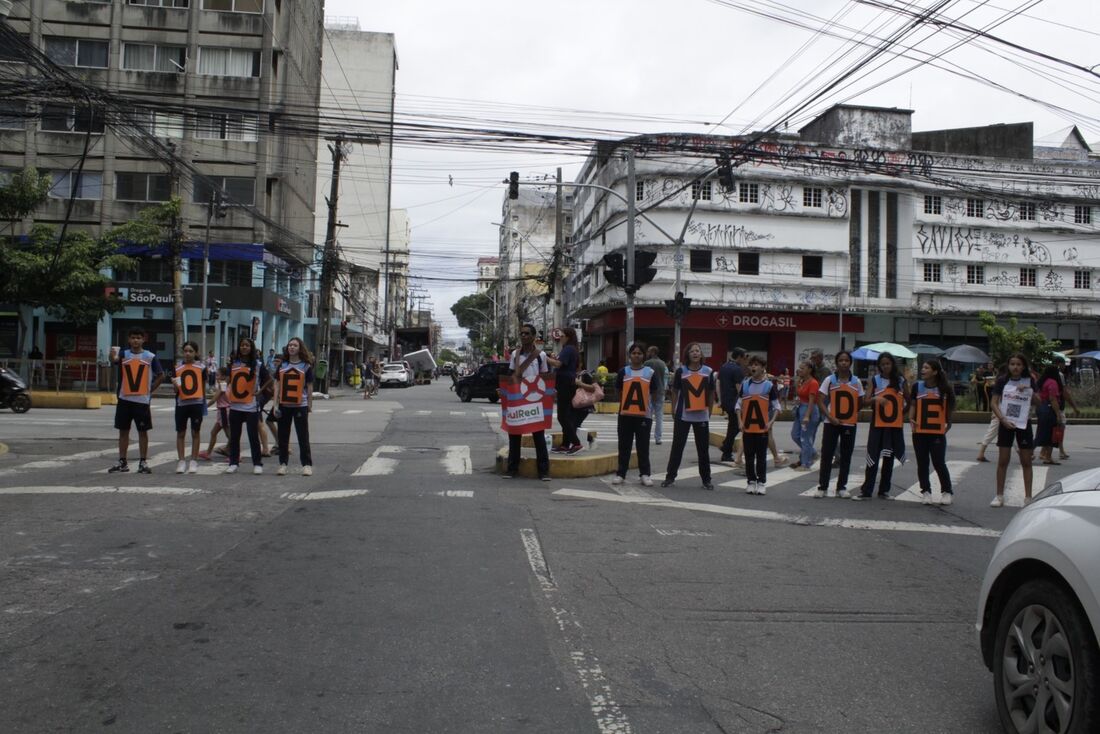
{"x": 64, "y": 375}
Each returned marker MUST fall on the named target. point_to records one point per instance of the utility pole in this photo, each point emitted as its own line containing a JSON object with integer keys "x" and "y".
{"x": 328, "y": 263}
{"x": 630, "y": 188}
{"x": 559, "y": 258}
{"x": 175, "y": 248}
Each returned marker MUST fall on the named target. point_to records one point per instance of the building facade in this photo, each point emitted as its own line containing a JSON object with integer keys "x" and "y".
{"x": 856, "y": 230}
{"x": 230, "y": 86}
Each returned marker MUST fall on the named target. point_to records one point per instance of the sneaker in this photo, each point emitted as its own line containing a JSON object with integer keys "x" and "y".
{"x": 281, "y": 471}
{"x": 668, "y": 482}
{"x": 657, "y": 441}
{"x": 857, "y": 497}
{"x": 884, "y": 496}
{"x": 616, "y": 480}
{"x": 1027, "y": 501}
{"x": 143, "y": 468}
{"x": 998, "y": 501}
{"x": 819, "y": 494}
{"x": 946, "y": 499}
{"x": 575, "y": 448}
{"x": 204, "y": 455}
{"x": 726, "y": 457}
{"x": 831, "y": 494}
{"x": 750, "y": 488}
{"x": 707, "y": 484}
{"x": 544, "y": 477}
{"x": 193, "y": 467}
{"x": 181, "y": 467}
{"x": 646, "y": 481}
{"x": 258, "y": 469}
{"x": 307, "y": 471}
{"x": 120, "y": 467}
{"x": 926, "y": 498}
{"x": 761, "y": 489}
{"x": 843, "y": 494}
{"x": 559, "y": 449}
{"x": 231, "y": 469}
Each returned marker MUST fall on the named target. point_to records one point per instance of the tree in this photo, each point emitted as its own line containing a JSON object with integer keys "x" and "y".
{"x": 475, "y": 314}
{"x": 447, "y": 355}
{"x": 1004, "y": 341}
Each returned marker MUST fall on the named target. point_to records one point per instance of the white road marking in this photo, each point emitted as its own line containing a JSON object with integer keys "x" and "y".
{"x": 378, "y": 465}
{"x": 467, "y": 493}
{"x": 1014, "y": 484}
{"x": 164, "y": 457}
{"x": 692, "y": 472}
{"x": 456, "y": 460}
{"x": 423, "y": 412}
{"x": 62, "y": 461}
{"x": 351, "y": 412}
{"x": 334, "y": 494}
{"x": 610, "y": 718}
{"x": 180, "y": 491}
{"x": 687, "y": 533}
{"x": 491, "y": 413}
{"x": 165, "y": 410}
{"x": 458, "y": 412}
{"x": 851, "y": 523}
{"x": 957, "y": 469}
{"x": 775, "y": 478}
{"x": 629, "y": 489}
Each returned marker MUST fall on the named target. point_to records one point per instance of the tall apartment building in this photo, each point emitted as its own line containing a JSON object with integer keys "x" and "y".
{"x": 233, "y": 86}
{"x": 857, "y": 229}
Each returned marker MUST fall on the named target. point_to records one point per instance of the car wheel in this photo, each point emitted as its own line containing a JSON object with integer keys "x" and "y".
{"x": 1046, "y": 668}
{"x": 21, "y": 403}
{"x": 493, "y": 398}
{"x": 464, "y": 394}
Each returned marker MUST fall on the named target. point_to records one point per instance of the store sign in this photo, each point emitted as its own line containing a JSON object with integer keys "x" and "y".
{"x": 157, "y": 297}
{"x": 282, "y": 306}
{"x": 756, "y": 321}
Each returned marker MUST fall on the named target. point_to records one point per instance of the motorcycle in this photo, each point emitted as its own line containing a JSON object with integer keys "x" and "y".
{"x": 13, "y": 392}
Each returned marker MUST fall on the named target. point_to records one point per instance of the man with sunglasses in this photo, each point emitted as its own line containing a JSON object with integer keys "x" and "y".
{"x": 527, "y": 363}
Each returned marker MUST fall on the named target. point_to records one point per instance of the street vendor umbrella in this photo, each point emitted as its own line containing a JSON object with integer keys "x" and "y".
{"x": 966, "y": 354}
{"x": 889, "y": 348}
{"x": 926, "y": 349}
{"x": 1090, "y": 355}
{"x": 865, "y": 354}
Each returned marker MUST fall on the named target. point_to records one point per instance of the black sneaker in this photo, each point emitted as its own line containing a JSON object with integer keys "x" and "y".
{"x": 707, "y": 484}
{"x": 668, "y": 482}
{"x": 574, "y": 449}
{"x": 726, "y": 457}
{"x": 120, "y": 468}
{"x": 143, "y": 468}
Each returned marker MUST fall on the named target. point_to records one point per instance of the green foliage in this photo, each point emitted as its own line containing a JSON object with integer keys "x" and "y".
{"x": 447, "y": 355}
{"x": 1004, "y": 341}
{"x": 474, "y": 313}
{"x": 24, "y": 192}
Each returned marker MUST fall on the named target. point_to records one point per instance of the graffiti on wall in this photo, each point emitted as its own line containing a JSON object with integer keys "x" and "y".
{"x": 988, "y": 246}
{"x": 726, "y": 235}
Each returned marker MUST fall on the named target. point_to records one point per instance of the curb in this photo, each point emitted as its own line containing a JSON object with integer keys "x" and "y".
{"x": 93, "y": 401}
{"x": 566, "y": 467}
{"x": 527, "y": 442}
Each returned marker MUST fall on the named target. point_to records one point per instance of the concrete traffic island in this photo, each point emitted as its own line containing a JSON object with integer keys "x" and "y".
{"x": 555, "y": 440}
{"x": 587, "y": 463}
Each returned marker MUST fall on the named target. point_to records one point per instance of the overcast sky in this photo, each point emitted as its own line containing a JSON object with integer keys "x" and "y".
{"x": 690, "y": 65}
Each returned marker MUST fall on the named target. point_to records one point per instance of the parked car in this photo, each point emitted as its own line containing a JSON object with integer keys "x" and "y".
{"x": 397, "y": 374}
{"x": 1039, "y": 611}
{"x": 482, "y": 382}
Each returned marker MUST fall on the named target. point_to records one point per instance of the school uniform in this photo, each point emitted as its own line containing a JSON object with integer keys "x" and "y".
{"x": 244, "y": 408}
{"x": 886, "y": 436}
{"x": 931, "y": 410}
{"x": 1014, "y": 399}
{"x": 190, "y": 396}
{"x": 295, "y": 381}
{"x": 694, "y": 396}
{"x": 636, "y": 388}
{"x": 842, "y": 399}
{"x": 136, "y": 374}
{"x": 757, "y": 402}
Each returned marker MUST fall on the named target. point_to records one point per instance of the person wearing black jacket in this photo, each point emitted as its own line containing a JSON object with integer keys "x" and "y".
{"x": 730, "y": 376}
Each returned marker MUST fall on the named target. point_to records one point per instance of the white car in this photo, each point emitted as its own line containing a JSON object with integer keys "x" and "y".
{"x": 1039, "y": 612}
{"x": 395, "y": 373}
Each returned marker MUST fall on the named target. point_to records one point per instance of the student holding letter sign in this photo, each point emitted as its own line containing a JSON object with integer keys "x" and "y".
{"x": 637, "y": 385}
{"x": 139, "y": 375}
{"x": 886, "y": 437}
{"x": 757, "y": 407}
{"x": 841, "y": 394}
{"x": 247, "y": 378}
{"x": 692, "y": 398}
{"x": 293, "y": 393}
{"x": 931, "y": 404}
{"x": 1013, "y": 396}
{"x": 189, "y": 379}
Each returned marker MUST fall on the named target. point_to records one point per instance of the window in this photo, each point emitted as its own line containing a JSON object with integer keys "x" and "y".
{"x": 975, "y": 208}
{"x": 12, "y": 116}
{"x": 71, "y": 119}
{"x": 1027, "y": 211}
{"x": 150, "y": 270}
{"x": 700, "y": 261}
{"x": 239, "y": 190}
{"x": 146, "y": 57}
{"x": 1027, "y": 277}
{"x": 933, "y": 205}
{"x": 639, "y": 190}
{"x": 1082, "y": 215}
{"x": 811, "y": 197}
{"x": 748, "y": 193}
{"x": 239, "y": 62}
{"x": 700, "y": 190}
{"x": 227, "y": 272}
{"x": 975, "y": 275}
{"x": 1082, "y": 279}
{"x": 812, "y": 266}
{"x": 66, "y": 185}
{"x": 162, "y": 3}
{"x": 227, "y": 127}
{"x": 932, "y": 273}
{"x": 160, "y": 124}
{"x": 142, "y": 187}
{"x": 748, "y": 263}
{"x": 234, "y": 6}
{"x": 77, "y": 52}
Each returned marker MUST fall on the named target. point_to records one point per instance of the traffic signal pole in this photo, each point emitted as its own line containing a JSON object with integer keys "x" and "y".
{"x": 630, "y": 288}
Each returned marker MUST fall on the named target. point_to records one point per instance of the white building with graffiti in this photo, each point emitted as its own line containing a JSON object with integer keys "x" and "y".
{"x": 855, "y": 229}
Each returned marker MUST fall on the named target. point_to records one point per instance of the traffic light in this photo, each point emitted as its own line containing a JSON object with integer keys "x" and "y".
{"x": 677, "y": 308}
{"x": 644, "y": 271}
{"x": 615, "y": 274}
{"x": 215, "y": 311}
{"x": 344, "y": 329}
{"x": 725, "y": 172}
{"x": 513, "y": 185}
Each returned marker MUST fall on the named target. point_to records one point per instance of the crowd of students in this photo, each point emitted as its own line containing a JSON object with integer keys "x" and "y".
{"x": 239, "y": 394}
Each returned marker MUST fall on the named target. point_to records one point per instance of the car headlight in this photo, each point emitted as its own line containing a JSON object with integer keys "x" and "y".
{"x": 1050, "y": 491}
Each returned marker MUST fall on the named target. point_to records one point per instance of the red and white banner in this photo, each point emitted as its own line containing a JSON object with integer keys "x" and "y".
{"x": 527, "y": 407}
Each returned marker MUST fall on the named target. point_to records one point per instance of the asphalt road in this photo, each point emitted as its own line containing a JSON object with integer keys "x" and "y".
{"x": 406, "y": 588}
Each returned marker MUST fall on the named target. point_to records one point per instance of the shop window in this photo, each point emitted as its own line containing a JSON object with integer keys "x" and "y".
{"x": 812, "y": 266}
{"x": 700, "y": 261}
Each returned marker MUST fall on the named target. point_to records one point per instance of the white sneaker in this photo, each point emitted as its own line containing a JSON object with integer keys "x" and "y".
{"x": 616, "y": 480}
{"x": 926, "y": 498}
{"x": 307, "y": 471}
{"x": 750, "y": 488}
{"x": 231, "y": 469}
{"x": 281, "y": 471}
{"x": 761, "y": 489}
{"x": 647, "y": 481}
{"x": 998, "y": 501}
{"x": 819, "y": 494}
{"x": 946, "y": 498}
{"x": 257, "y": 470}
{"x": 181, "y": 467}
{"x": 193, "y": 467}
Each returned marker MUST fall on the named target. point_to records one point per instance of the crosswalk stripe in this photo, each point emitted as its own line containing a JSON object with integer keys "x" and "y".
{"x": 689, "y": 472}
{"x": 378, "y": 465}
{"x": 326, "y": 495}
{"x": 320, "y": 410}
{"x": 457, "y": 460}
{"x": 957, "y": 469}
{"x": 165, "y": 410}
{"x": 62, "y": 461}
{"x": 775, "y": 477}
{"x": 423, "y": 412}
{"x": 458, "y": 412}
{"x": 351, "y": 412}
{"x": 102, "y": 490}
{"x": 1014, "y": 485}
{"x": 467, "y": 493}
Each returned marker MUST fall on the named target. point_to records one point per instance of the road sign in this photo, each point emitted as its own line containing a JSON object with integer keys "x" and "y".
{"x": 555, "y": 334}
